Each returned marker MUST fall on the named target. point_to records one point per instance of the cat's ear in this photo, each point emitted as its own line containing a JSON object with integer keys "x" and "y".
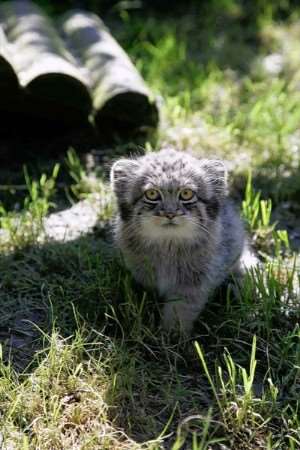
{"x": 121, "y": 173}
{"x": 216, "y": 174}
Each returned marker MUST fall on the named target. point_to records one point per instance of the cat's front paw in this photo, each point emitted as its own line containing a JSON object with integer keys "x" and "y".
{"x": 179, "y": 317}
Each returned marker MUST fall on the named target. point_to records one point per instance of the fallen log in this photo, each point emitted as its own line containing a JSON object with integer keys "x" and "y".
{"x": 10, "y": 90}
{"x": 8, "y": 79}
{"x": 121, "y": 100}
{"x": 54, "y": 86}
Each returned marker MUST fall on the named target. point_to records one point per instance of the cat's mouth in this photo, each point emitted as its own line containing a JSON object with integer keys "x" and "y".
{"x": 157, "y": 229}
{"x": 174, "y": 222}
{"x": 170, "y": 224}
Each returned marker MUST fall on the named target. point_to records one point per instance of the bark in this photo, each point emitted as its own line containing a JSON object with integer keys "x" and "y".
{"x": 121, "y": 99}
{"x": 61, "y": 77}
{"x": 8, "y": 78}
{"x": 54, "y": 86}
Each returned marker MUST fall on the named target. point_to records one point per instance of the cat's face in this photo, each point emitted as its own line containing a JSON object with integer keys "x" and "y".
{"x": 168, "y": 194}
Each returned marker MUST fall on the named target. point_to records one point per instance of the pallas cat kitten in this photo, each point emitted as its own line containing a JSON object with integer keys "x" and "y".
{"x": 176, "y": 228}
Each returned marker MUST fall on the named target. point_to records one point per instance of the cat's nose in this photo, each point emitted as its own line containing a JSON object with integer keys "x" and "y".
{"x": 170, "y": 215}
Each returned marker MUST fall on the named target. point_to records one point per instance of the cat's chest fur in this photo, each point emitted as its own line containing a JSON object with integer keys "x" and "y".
{"x": 166, "y": 267}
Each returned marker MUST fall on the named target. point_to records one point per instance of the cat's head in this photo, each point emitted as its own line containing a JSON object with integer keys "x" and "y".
{"x": 169, "y": 194}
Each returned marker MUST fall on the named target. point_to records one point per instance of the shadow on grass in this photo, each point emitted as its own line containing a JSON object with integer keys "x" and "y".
{"x": 80, "y": 284}
{"x": 33, "y": 142}
{"x": 60, "y": 285}
{"x": 68, "y": 286}
{"x": 64, "y": 284}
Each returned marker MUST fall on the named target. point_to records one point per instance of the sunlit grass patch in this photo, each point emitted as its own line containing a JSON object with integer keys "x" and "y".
{"x": 25, "y": 227}
{"x": 245, "y": 416}
{"x": 62, "y": 403}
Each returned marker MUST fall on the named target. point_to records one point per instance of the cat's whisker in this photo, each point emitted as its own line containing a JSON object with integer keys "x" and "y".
{"x": 203, "y": 228}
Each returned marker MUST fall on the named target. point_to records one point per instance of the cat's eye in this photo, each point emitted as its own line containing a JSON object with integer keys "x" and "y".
{"x": 152, "y": 194}
{"x": 186, "y": 194}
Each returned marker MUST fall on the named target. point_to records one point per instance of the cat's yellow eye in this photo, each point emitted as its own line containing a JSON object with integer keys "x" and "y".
{"x": 186, "y": 194}
{"x": 152, "y": 194}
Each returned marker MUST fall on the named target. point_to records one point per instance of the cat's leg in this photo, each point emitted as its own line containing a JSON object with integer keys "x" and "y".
{"x": 181, "y": 310}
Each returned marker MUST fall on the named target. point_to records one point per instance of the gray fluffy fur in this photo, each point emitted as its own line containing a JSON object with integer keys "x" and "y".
{"x": 184, "y": 250}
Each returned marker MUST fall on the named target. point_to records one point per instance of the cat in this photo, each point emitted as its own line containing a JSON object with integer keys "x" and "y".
{"x": 177, "y": 229}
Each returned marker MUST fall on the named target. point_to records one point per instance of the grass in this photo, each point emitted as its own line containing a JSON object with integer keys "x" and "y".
{"x": 84, "y": 363}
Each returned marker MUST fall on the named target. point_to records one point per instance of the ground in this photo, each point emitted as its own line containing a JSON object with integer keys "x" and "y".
{"x": 84, "y": 363}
